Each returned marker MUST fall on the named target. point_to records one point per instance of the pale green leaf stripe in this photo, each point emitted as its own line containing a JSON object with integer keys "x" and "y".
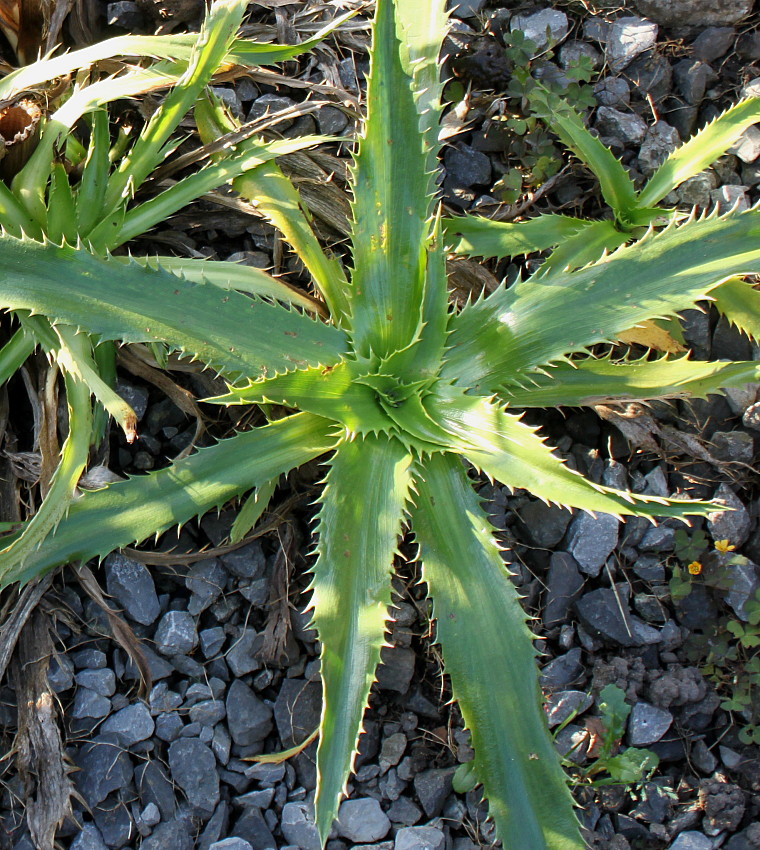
{"x": 740, "y": 304}
{"x": 276, "y": 198}
{"x": 488, "y": 654}
{"x": 480, "y": 237}
{"x": 501, "y": 339}
{"x": 614, "y": 181}
{"x": 136, "y": 304}
{"x": 359, "y": 524}
{"x": 227, "y": 276}
{"x": 591, "y": 381}
{"x": 700, "y": 151}
{"x": 391, "y": 206}
{"x": 511, "y": 452}
{"x": 130, "y": 511}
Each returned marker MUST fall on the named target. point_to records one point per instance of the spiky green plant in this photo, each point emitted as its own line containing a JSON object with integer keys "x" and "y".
{"x": 394, "y": 391}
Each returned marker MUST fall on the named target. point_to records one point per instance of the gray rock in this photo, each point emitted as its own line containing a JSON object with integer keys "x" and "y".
{"x": 153, "y": 786}
{"x": 60, "y": 674}
{"x": 270, "y": 104}
{"x": 651, "y": 76}
{"x": 89, "y": 839}
{"x": 563, "y": 586}
{"x": 733, "y": 446}
{"x": 659, "y": 538}
{"x": 420, "y": 838}
{"x": 740, "y": 398}
{"x": 392, "y": 750}
{"x": 591, "y": 540}
{"x": 403, "y": 812}
{"x": 612, "y": 91}
{"x": 150, "y": 815}
{"x": 211, "y": 641}
{"x": 362, "y": 820}
{"x": 205, "y": 580}
{"x": 124, "y": 14}
{"x": 249, "y": 720}
{"x": 231, "y": 843}
{"x": 751, "y": 417}
{"x": 193, "y": 768}
{"x": 732, "y": 525}
{"x": 297, "y": 710}
{"x": 298, "y": 827}
{"x": 546, "y": 524}
{"x": 241, "y": 656}
{"x": 713, "y": 43}
{"x": 626, "y": 126}
{"x": 600, "y": 613}
{"x": 331, "y": 120}
{"x": 466, "y": 8}
{"x": 248, "y": 561}
{"x": 102, "y": 681}
{"x": 104, "y": 766}
{"x": 649, "y": 568}
{"x": 728, "y": 197}
{"x": 548, "y": 26}
{"x": 691, "y": 840}
{"x": 467, "y": 167}
{"x": 208, "y": 712}
{"x": 89, "y": 704}
{"x": 573, "y": 51}
{"x": 131, "y": 724}
{"x": 175, "y": 834}
{"x": 396, "y": 671}
{"x": 697, "y": 190}
{"x": 694, "y": 13}
{"x": 627, "y": 38}
{"x": 254, "y": 828}
{"x": 267, "y": 775}
{"x": 692, "y": 77}
{"x": 660, "y": 141}
{"x": 432, "y": 788}
{"x": 114, "y": 823}
{"x": 563, "y": 670}
{"x": 176, "y": 633}
{"x": 261, "y": 799}
{"x": 647, "y": 724}
{"x": 136, "y": 397}
{"x": 131, "y": 585}
{"x": 563, "y": 705}
{"x": 745, "y": 582}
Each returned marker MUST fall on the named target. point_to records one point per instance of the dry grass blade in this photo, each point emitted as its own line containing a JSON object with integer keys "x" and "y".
{"x": 180, "y": 396}
{"x": 39, "y": 748}
{"x": 277, "y": 627}
{"x": 122, "y": 633}
{"x": 15, "y": 615}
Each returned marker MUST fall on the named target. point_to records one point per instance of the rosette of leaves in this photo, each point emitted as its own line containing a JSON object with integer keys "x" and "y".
{"x": 395, "y": 390}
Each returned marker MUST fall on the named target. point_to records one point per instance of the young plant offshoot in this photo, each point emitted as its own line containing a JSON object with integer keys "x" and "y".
{"x": 394, "y": 391}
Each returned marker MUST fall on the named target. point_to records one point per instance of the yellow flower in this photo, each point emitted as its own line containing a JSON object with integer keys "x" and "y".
{"x": 724, "y": 546}
{"x": 695, "y": 568}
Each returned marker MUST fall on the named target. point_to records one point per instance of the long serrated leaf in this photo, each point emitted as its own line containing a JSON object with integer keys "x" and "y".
{"x": 227, "y": 275}
{"x": 506, "y": 449}
{"x": 328, "y": 391}
{"x": 25, "y": 547}
{"x": 14, "y": 353}
{"x": 113, "y": 232}
{"x": 514, "y": 331}
{"x": 175, "y": 47}
{"x": 360, "y": 521}
{"x": 250, "y": 513}
{"x": 90, "y": 193}
{"x": 700, "y": 151}
{"x": 590, "y": 381}
{"x": 739, "y": 302}
{"x": 479, "y": 237}
{"x": 130, "y": 511}
{"x": 229, "y": 331}
{"x": 270, "y": 191}
{"x": 585, "y": 246}
{"x": 215, "y": 39}
{"x": 488, "y": 654}
{"x": 614, "y": 181}
{"x": 391, "y": 207}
